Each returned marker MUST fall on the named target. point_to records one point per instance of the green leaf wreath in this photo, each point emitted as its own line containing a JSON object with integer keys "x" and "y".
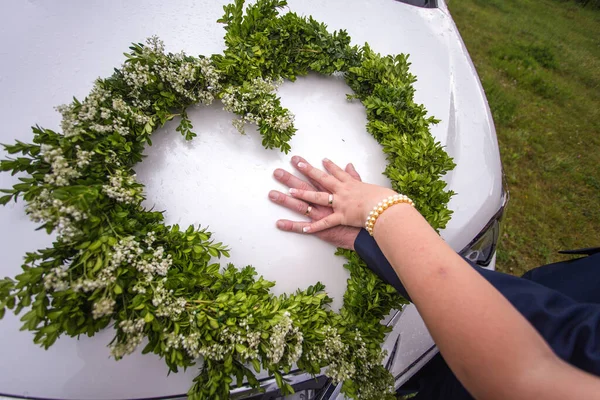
{"x": 113, "y": 262}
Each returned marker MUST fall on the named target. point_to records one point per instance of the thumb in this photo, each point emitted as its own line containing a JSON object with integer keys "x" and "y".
{"x": 352, "y": 172}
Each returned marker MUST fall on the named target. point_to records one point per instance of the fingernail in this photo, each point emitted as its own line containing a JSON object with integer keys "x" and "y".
{"x": 306, "y": 229}
{"x": 301, "y": 165}
{"x": 352, "y": 166}
{"x": 295, "y": 159}
{"x": 293, "y": 191}
{"x": 280, "y": 224}
{"x": 326, "y": 160}
{"x": 273, "y": 195}
{"x": 278, "y": 173}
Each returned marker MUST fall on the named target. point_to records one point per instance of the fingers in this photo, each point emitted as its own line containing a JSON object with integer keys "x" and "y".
{"x": 291, "y": 226}
{"x": 328, "y": 182}
{"x": 319, "y": 198}
{"x": 306, "y": 227}
{"x": 291, "y": 181}
{"x": 330, "y": 221}
{"x": 352, "y": 172}
{"x": 336, "y": 171}
{"x": 296, "y": 205}
{"x": 320, "y": 188}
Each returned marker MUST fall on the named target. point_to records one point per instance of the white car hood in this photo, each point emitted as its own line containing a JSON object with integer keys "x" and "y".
{"x": 52, "y": 50}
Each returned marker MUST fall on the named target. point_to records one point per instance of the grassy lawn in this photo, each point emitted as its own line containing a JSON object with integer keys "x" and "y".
{"x": 539, "y": 61}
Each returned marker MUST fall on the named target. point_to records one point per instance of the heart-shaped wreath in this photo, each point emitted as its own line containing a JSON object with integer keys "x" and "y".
{"x": 115, "y": 262}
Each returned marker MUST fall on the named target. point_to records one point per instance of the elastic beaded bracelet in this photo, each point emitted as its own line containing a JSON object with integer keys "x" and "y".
{"x": 382, "y": 206}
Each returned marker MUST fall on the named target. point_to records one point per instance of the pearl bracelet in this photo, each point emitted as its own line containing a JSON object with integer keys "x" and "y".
{"x": 382, "y": 206}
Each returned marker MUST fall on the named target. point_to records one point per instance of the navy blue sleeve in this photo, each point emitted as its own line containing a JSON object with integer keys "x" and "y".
{"x": 570, "y": 327}
{"x": 369, "y": 251}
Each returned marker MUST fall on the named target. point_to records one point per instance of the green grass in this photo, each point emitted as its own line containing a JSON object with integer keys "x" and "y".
{"x": 539, "y": 62}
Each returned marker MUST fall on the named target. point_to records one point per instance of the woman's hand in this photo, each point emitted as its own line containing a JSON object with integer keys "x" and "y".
{"x": 339, "y": 236}
{"x": 350, "y": 199}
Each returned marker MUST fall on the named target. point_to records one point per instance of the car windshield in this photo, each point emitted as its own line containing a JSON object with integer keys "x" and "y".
{"x": 421, "y": 3}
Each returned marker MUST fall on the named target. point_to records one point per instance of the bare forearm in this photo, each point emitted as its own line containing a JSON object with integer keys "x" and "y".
{"x": 463, "y": 311}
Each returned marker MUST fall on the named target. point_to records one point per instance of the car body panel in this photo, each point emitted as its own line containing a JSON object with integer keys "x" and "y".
{"x": 55, "y": 49}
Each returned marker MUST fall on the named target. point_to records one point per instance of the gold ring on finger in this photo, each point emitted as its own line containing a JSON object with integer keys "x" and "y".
{"x": 308, "y": 210}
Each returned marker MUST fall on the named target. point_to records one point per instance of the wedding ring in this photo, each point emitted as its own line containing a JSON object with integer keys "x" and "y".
{"x": 308, "y": 210}
{"x": 330, "y": 199}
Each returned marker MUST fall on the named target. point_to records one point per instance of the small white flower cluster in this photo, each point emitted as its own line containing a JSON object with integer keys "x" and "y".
{"x": 368, "y": 360}
{"x": 103, "y": 307}
{"x": 362, "y": 351}
{"x": 227, "y": 342}
{"x": 41, "y": 208}
{"x": 44, "y": 208}
{"x": 216, "y": 351}
{"x": 136, "y": 74}
{"x": 105, "y": 278}
{"x": 283, "y": 332}
{"x": 117, "y": 126}
{"x": 125, "y": 110}
{"x": 334, "y": 353}
{"x": 374, "y": 388}
{"x": 282, "y": 123}
{"x": 61, "y": 172}
{"x": 130, "y": 252}
{"x": 179, "y": 72}
{"x": 93, "y": 103}
{"x": 178, "y": 76}
{"x": 212, "y": 77}
{"x": 173, "y": 340}
{"x": 166, "y": 304}
{"x": 237, "y": 99}
{"x": 158, "y": 265}
{"x": 185, "y": 74}
{"x": 127, "y": 250}
{"x": 118, "y": 350}
{"x": 191, "y": 344}
{"x": 119, "y": 187}
{"x": 295, "y": 349}
{"x": 370, "y": 388}
{"x": 104, "y": 112}
{"x": 133, "y": 330}
{"x": 172, "y": 307}
{"x": 340, "y": 370}
{"x": 113, "y": 159}
{"x": 250, "y": 339}
{"x": 332, "y": 348}
{"x": 73, "y": 122}
{"x": 141, "y": 286}
{"x": 154, "y": 46}
{"x": 95, "y": 113}
{"x": 83, "y": 157}
{"x": 150, "y": 238}
{"x": 132, "y": 327}
{"x": 70, "y": 123}
{"x": 54, "y": 280}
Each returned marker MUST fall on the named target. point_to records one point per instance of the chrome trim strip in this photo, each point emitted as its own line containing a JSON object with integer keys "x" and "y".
{"x": 496, "y": 217}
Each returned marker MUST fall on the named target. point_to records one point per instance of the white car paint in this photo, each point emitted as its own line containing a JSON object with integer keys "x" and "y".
{"x": 52, "y": 50}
